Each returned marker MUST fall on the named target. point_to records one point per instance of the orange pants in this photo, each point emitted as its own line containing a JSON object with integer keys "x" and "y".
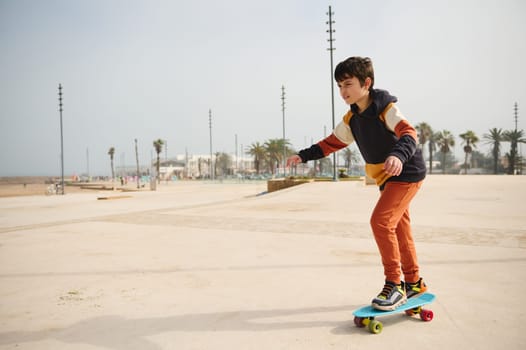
{"x": 391, "y": 226}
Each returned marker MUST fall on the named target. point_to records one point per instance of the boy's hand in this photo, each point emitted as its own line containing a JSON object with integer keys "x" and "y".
{"x": 393, "y": 166}
{"x": 293, "y": 160}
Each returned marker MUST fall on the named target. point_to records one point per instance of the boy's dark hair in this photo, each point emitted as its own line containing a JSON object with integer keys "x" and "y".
{"x": 357, "y": 67}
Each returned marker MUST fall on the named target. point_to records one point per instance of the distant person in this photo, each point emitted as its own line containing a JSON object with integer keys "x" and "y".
{"x": 388, "y": 143}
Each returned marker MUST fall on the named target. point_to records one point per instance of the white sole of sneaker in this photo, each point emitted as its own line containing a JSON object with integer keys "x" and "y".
{"x": 389, "y": 307}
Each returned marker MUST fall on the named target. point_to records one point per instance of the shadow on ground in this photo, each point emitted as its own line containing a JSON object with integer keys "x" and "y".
{"x": 119, "y": 333}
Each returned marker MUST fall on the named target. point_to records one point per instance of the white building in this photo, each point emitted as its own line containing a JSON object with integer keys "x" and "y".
{"x": 198, "y": 166}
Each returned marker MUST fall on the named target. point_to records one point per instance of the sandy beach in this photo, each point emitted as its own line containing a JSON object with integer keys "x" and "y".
{"x": 225, "y": 266}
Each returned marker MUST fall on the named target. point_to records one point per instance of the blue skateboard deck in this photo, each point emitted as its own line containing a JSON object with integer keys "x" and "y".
{"x": 365, "y": 316}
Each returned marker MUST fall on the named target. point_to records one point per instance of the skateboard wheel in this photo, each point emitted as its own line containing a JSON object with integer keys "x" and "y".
{"x": 358, "y": 321}
{"x": 375, "y": 327}
{"x": 426, "y": 315}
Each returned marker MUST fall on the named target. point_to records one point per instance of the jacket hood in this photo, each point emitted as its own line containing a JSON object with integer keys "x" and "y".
{"x": 381, "y": 98}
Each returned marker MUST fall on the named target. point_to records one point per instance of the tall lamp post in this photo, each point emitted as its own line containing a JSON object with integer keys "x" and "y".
{"x": 519, "y": 159}
{"x": 211, "y": 154}
{"x": 284, "y": 143}
{"x": 61, "y": 139}
{"x": 138, "y": 169}
{"x": 331, "y": 49}
{"x": 236, "y": 171}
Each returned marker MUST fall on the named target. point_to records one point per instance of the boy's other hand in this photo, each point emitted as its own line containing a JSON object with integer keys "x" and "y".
{"x": 393, "y": 166}
{"x": 293, "y": 160}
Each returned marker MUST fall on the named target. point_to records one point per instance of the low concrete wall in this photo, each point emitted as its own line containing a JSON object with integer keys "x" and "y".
{"x": 279, "y": 184}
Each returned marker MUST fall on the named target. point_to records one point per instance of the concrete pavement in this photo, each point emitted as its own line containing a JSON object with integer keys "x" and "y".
{"x": 217, "y": 266}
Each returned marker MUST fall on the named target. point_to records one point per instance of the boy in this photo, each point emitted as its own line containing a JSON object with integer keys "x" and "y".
{"x": 388, "y": 143}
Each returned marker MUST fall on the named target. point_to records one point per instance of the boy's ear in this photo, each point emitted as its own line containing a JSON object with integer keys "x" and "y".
{"x": 367, "y": 83}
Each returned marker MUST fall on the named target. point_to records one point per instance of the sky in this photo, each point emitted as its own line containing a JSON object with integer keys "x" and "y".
{"x": 153, "y": 69}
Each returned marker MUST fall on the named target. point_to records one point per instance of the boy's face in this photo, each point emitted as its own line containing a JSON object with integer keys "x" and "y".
{"x": 352, "y": 92}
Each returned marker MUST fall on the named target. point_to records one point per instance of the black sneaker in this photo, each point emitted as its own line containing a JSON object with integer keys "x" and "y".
{"x": 391, "y": 297}
{"x": 414, "y": 289}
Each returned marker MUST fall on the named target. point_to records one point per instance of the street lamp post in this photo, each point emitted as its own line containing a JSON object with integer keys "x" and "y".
{"x": 331, "y": 49}
{"x": 284, "y": 142}
{"x": 137, "y": 161}
{"x": 61, "y": 139}
{"x": 236, "y": 170}
{"x": 211, "y": 154}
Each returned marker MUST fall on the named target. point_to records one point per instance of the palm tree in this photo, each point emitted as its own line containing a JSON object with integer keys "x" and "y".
{"x": 223, "y": 163}
{"x": 494, "y": 138}
{"x": 444, "y": 140}
{"x": 158, "y": 145}
{"x": 470, "y": 141}
{"x": 259, "y": 153}
{"x": 431, "y": 145}
{"x": 274, "y": 148}
{"x": 111, "y": 152}
{"x": 350, "y": 156}
{"x": 425, "y": 135}
{"x": 514, "y": 137}
{"x": 325, "y": 165}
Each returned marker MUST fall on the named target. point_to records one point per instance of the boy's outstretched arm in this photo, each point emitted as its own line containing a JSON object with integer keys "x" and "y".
{"x": 340, "y": 138}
